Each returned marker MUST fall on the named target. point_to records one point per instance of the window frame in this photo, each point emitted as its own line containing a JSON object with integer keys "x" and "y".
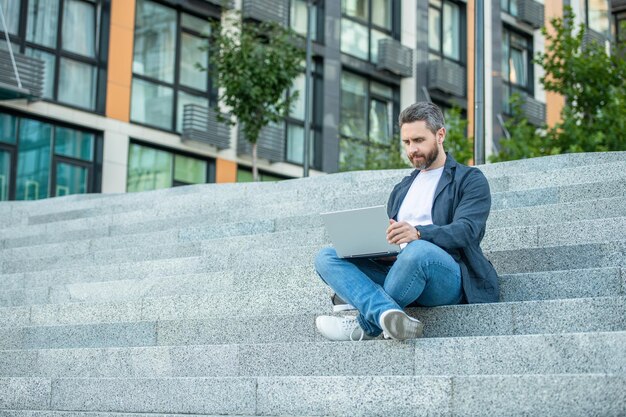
{"x": 316, "y": 117}
{"x": 393, "y": 33}
{"x": 99, "y": 62}
{"x": 462, "y": 29}
{"x": 210, "y": 170}
{"x": 395, "y": 111}
{"x": 211, "y": 94}
{"x": 94, "y": 167}
{"x": 508, "y": 87}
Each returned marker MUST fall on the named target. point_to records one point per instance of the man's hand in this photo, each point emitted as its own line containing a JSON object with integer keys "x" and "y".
{"x": 401, "y": 232}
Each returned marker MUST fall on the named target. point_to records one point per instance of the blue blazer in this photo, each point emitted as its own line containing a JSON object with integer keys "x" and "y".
{"x": 460, "y": 210}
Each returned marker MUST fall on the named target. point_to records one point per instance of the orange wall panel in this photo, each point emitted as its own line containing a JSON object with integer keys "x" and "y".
{"x": 554, "y": 102}
{"x": 470, "y": 67}
{"x": 226, "y": 171}
{"x": 120, "y": 59}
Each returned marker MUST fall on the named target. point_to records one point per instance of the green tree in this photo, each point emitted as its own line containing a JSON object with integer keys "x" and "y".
{"x": 254, "y": 64}
{"x": 457, "y": 143}
{"x": 525, "y": 140}
{"x": 357, "y": 157}
{"x": 593, "y": 83}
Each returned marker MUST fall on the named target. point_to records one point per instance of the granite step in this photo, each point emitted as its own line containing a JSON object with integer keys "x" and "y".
{"x": 511, "y": 395}
{"x": 598, "y": 282}
{"x": 570, "y": 353}
{"x": 142, "y": 221}
{"x": 524, "y": 317}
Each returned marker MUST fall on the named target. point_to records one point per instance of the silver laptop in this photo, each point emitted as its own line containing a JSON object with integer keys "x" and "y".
{"x": 360, "y": 233}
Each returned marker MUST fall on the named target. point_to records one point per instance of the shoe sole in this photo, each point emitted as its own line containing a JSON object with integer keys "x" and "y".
{"x": 338, "y": 308}
{"x": 399, "y": 326}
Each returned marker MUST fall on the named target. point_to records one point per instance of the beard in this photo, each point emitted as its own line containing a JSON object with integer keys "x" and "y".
{"x": 427, "y": 159}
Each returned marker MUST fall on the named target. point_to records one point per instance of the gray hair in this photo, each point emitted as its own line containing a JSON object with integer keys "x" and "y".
{"x": 423, "y": 111}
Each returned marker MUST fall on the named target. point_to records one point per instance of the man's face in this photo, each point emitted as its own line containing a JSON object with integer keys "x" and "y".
{"x": 420, "y": 144}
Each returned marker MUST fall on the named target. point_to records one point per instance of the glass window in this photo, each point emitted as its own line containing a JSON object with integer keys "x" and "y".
{"x": 598, "y": 15}
{"x": 148, "y": 168}
{"x": 245, "y": 175}
{"x": 191, "y": 54}
{"x": 509, "y": 6}
{"x": 11, "y": 10}
{"x": 380, "y": 121}
{"x": 156, "y": 83}
{"x": 367, "y": 119}
{"x": 70, "y": 179}
{"x": 151, "y": 104}
{"x": 49, "y": 67}
{"x": 79, "y": 22}
{"x": 42, "y": 24}
{"x": 77, "y": 84}
{"x": 356, "y": 8}
{"x": 353, "y": 105}
{"x": 444, "y": 30}
{"x": 297, "y": 109}
{"x": 361, "y": 30}
{"x": 184, "y": 99}
{"x": 354, "y": 39}
{"x": 189, "y": 170}
{"x": 451, "y": 28}
{"x": 381, "y": 13}
{"x": 516, "y": 66}
{"x": 295, "y": 144}
{"x": 8, "y": 124}
{"x": 5, "y": 174}
{"x": 376, "y": 36}
{"x": 72, "y": 65}
{"x": 352, "y": 155}
{"x": 196, "y": 24}
{"x": 152, "y": 169}
{"x": 434, "y": 34}
{"x": 33, "y": 161}
{"x": 298, "y": 15}
{"x": 155, "y": 41}
{"x": 74, "y": 143}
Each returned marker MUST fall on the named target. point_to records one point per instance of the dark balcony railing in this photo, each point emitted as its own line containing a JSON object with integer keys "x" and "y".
{"x": 446, "y": 76}
{"x": 200, "y": 124}
{"x": 531, "y": 12}
{"x": 591, "y": 36}
{"x": 395, "y": 57}
{"x": 31, "y": 75}
{"x": 266, "y": 10}
{"x": 270, "y": 145}
{"x": 534, "y": 110}
{"x": 228, "y": 4}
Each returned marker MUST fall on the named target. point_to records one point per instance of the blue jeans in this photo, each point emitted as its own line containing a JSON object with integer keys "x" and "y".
{"x": 423, "y": 273}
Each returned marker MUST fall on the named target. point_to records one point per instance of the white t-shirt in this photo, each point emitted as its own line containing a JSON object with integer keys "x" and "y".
{"x": 416, "y": 208}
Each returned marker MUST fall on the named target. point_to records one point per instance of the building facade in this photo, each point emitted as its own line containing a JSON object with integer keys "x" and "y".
{"x": 110, "y": 98}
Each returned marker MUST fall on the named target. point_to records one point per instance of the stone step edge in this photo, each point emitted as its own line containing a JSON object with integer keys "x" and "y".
{"x": 313, "y": 283}
{"x": 302, "y": 201}
{"x": 309, "y": 314}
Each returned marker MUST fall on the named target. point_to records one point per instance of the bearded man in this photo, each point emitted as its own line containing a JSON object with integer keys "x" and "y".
{"x": 437, "y": 215}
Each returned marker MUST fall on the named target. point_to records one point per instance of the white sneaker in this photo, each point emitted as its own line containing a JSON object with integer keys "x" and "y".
{"x": 341, "y": 329}
{"x": 399, "y": 326}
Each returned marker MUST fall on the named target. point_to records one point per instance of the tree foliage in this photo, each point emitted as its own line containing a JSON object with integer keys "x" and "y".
{"x": 253, "y": 65}
{"x": 357, "y": 157}
{"x": 457, "y": 143}
{"x": 593, "y": 83}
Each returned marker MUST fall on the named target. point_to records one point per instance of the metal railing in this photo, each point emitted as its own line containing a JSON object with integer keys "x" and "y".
{"x": 266, "y": 10}
{"x": 531, "y": 12}
{"x": 270, "y": 145}
{"x": 446, "y": 76}
{"x": 31, "y": 75}
{"x": 200, "y": 124}
{"x": 395, "y": 57}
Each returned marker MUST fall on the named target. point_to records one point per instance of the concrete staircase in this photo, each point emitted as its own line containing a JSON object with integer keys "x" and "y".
{"x": 201, "y": 300}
